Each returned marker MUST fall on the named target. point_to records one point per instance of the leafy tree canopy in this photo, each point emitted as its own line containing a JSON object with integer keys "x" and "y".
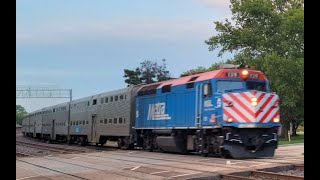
{"x": 20, "y": 113}
{"x": 148, "y": 72}
{"x": 268, "y": 34}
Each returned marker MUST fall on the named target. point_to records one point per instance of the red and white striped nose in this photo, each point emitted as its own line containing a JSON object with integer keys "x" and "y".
{"x": 253, "y": 106}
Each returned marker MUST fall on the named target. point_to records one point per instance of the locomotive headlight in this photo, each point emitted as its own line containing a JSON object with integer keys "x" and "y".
{"x": 276, "y": 120}
{"x": 244, "y": 72}
{"x": 229, "y": 120}
{"x": 254, "y": 101}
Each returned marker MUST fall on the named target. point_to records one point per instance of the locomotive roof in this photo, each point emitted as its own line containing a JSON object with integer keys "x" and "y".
{"x": 221, "y": 73}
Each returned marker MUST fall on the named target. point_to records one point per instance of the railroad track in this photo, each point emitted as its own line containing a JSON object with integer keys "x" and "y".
{"x": 265, "y": 175}
{"x": 250, "y": 175}
{"x": 72, "y": 176}
{"x": 22, "y": 154}
{"x": 56, "y": 149}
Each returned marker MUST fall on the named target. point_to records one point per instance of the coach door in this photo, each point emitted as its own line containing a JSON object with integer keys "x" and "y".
{"x": 93, "y": 127}
{"x": 53, "y": 129}
{"x": 34, "y": 129}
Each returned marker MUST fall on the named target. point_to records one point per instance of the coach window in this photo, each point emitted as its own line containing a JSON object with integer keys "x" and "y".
{"x": 105, "y": 121}
{"x": 77, "y": 122}
{"x": 87, "y": 122}
{"x": 106, "y": 100}
{"x": 88, "y": 103}
{"x": 110, "y": 121}
{"x": 54, "y": 109}
{"x": 115, "y": 98}
{"x": 207, "y": 89}
{"x": 115, "y": 121}
{"x": 83, "y": 122}
{"x": 121, "y": 97}
{"x": 111, "y": 99}
{"x": 101, "y": 121}
{"x": 101, "y": 101}
{"x": 80, "y": 122}
{"x": 120, "y": 120}
{"x": 94, "y": 102}
{"x": 166, "y": 88}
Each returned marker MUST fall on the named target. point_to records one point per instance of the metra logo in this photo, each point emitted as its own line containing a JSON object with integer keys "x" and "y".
{"x": 157, "y": 112}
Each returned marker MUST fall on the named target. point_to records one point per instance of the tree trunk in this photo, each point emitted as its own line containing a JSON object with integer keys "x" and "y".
{"x": 294, "y": 130}
{"x": 284, "y": 130}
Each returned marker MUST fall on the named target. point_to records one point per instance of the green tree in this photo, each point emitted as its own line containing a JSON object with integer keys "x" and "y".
{"x": 133, "y": 76}
{"x": 20, "y": 113}
{"x": 269, "y": 34}
{"x": 148, "y": 72}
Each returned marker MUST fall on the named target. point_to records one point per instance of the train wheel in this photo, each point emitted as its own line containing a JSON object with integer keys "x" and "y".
{"x": 204, "y": 154}
{"x": 226, "y": 154}
{"x": 84, "y": 142}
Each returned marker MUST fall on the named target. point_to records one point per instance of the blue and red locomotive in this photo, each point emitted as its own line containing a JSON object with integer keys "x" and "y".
{"x": 226, "y": 112}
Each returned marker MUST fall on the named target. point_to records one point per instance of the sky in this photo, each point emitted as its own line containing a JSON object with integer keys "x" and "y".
{"x": 85, "y": 45}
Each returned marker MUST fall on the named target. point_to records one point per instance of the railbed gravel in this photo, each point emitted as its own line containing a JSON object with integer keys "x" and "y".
{"x": 294, "y": 172}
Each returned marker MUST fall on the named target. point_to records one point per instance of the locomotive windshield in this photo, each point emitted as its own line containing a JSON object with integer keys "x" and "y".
{"x": 230, "y": 86}
{"x": 259, "y": 86}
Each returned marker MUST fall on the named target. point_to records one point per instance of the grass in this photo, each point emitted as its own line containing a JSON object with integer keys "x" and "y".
{"x": 294, "y": 139}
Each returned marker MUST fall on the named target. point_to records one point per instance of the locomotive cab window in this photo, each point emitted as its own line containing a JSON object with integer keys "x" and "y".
{"x": 229, "y": 86}
{"x": 259, "y": 86}
{"x": 207, "y": 89}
